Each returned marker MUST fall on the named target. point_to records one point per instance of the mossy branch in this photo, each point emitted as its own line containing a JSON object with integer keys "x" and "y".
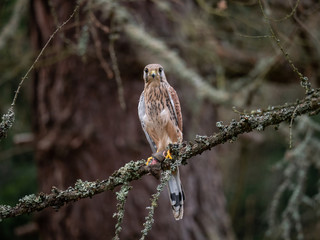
{"x": 6, "y": 123}
{"x": 165, "y": 176}
{"x": 134, "y": 170}
{"x": 121, "y": 201}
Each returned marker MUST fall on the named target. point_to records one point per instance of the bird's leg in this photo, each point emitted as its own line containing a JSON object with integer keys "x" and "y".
{"x": 149, "y": 160}
{"x": 153, "y": 159}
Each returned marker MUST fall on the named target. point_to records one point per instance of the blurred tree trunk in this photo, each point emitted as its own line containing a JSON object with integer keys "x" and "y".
{"x": 83, "y": 133}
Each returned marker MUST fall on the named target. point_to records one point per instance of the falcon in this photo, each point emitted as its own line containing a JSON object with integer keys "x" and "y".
{"x": 161, "y": 120}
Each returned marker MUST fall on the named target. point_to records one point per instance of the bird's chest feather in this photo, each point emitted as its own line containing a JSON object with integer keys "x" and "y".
{"x": 157, "y": 112}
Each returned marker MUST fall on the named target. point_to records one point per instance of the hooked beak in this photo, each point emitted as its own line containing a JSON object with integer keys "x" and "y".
{"x": 153, "y": 74}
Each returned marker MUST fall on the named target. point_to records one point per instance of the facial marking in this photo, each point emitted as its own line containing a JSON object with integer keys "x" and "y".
{"x": 153, "y": 72}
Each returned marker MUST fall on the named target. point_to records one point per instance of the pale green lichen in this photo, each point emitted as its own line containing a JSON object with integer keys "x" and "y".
{"x": 305, "y": 83}
{"x": 6, "y": 123}
{"x": 85, "y": 188}
{"x": 202, "y": 140}
{"x": 121, "y": 199}
{"x": 165, "y": 176}
{"x": 127, "y": 173}
{"x": 220, "y": 125}
{"x": 28, "y": 200}
{"x": 260, "y": 128}
{"x": 4, "y": 211}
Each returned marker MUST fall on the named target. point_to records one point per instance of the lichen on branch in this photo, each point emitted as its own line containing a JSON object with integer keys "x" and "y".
{"x": 6, "y": 123}
{"x": 182, "y": 152}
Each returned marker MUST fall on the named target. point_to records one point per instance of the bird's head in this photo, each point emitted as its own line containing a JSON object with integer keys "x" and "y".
{"x": 153, "y": 74}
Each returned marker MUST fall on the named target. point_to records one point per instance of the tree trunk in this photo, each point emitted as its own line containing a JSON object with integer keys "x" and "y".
{"x": 83, "y": 133}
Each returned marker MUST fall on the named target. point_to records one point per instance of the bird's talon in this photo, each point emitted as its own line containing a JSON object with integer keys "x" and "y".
{"x": 168, "y": 155}
{"x": 149, "y": 160}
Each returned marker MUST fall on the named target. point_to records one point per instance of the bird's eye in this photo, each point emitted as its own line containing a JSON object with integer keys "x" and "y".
{"x": 160, "y": 70}
{"x": 146, "y": 70}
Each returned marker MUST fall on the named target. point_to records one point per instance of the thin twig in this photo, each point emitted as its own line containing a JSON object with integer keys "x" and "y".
{"x": 98, "y": 47}
{"x": 40, "y": 54}
{"x": 290, "y": 129}
{"x": 305, "y": 83}
{"x": 293, "y": 11}
{"x": 98, "y": 24}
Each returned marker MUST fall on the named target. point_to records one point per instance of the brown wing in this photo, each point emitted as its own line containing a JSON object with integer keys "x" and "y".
{"x": 176, "y": 104}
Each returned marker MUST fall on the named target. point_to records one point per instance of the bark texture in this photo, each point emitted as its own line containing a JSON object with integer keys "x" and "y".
{"x": 83, "y": 133}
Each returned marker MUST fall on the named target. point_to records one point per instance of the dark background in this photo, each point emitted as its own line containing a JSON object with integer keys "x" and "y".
{"x": 76, "y": 119}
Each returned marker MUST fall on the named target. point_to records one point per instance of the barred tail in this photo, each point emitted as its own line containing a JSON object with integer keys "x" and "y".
{"x": 176, "y": 195}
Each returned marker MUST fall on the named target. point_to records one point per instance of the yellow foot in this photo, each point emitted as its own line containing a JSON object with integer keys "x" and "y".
{"x": 168, "y": 155}
{"x": 149, "y": 160}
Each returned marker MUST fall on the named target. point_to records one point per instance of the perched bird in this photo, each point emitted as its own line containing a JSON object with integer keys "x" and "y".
{"x": 161, "y": 120}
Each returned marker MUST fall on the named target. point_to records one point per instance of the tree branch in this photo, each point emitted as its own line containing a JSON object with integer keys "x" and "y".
{"x": 134, "y": 170}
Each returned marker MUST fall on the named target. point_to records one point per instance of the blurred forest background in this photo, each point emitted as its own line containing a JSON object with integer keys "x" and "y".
{"x": 76, "y": 115}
